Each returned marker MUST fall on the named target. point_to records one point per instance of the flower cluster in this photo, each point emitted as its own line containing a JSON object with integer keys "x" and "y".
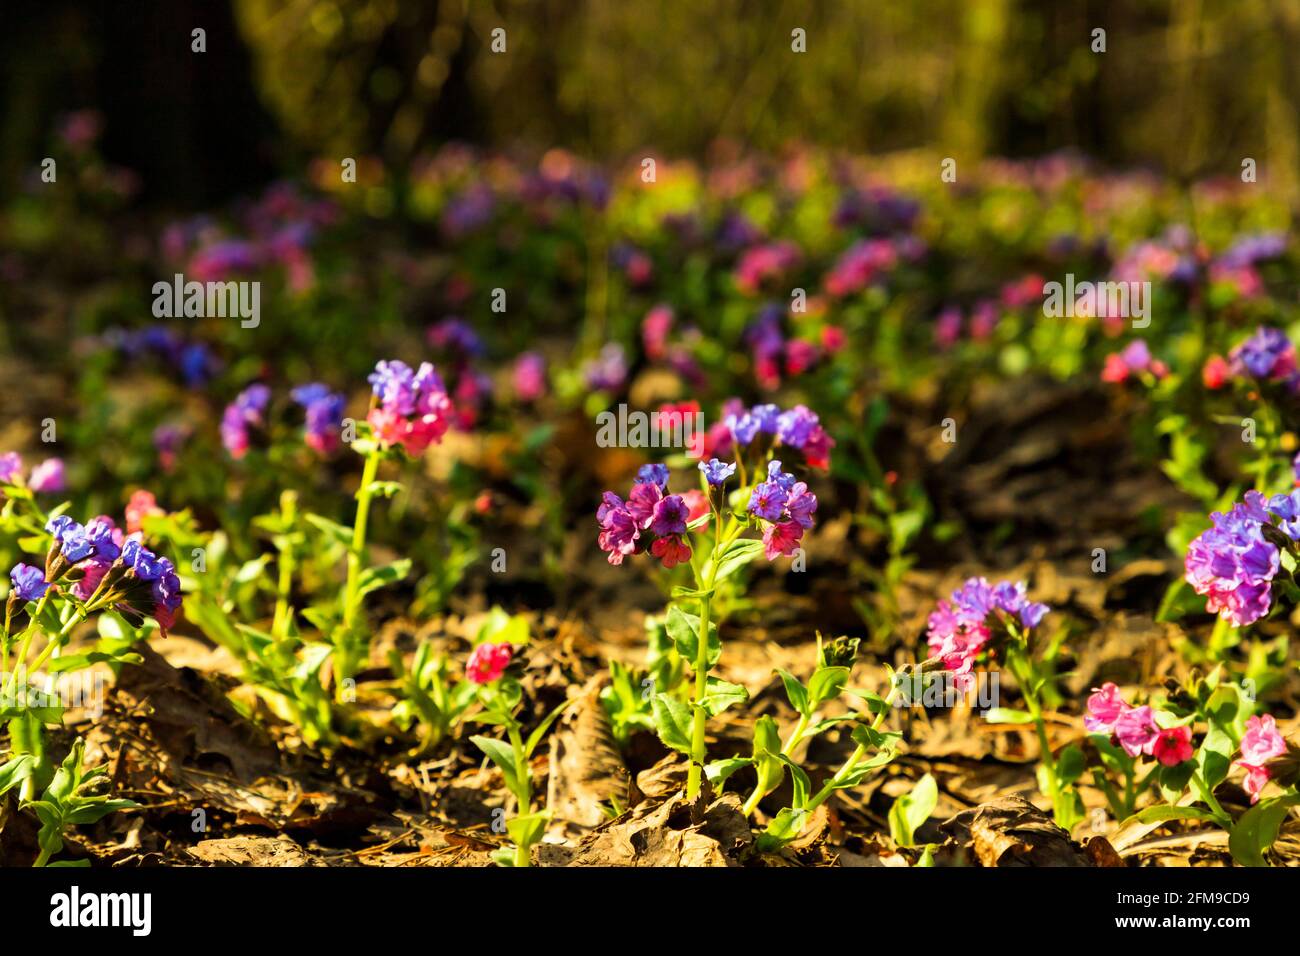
{"x": 245, "y": 413}
{"x": 1267, "y": 356}
{"x": 1234, "y": 562}
{"x": 106, "y": 567}
{"x": 797, "y": 428}
{"x": 1265, "y": 755}
{"x": 324, "y": 414}
{"x": 1134, "y": 360}
{"x": 650, "y": 516}
{"x": 1135, "y": 728}
{"x": 47, "y": 477}
{"x": 964, "y": 625}
{"x": 412, "y": 410}
{"x": 784, "y": 508}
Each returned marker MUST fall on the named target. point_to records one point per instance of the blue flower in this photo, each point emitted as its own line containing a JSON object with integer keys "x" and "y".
{"x": 653, "y": 474}
{"x": 716, "y": 472}
{"x": 28, "y": 583}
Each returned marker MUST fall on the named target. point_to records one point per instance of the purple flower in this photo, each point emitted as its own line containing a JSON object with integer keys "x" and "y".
{"x": 47, "y": 476}
{"x": 716, "y": 472}
{"x": 146, "y": 565}
{"x": 767, "y": 501}
{"x": 28, "y": 583}
{"x": 608, "y": 371}
{"x": 245, "y": 412}
{"x": 743, "y": 427}
{"x": 1266, "y": 354}
{"x": 324, "y": 414}
{"x": 641, "y": 501}
{"x": 782, "y": 478}
{"x": 801, "y": 504}
{"x": 619, "y": 531}
{"x": 1233, "y": 564}
{"x": 71, "y": 538}
{"x": 11, "y": 465}
{"x": 105, "y": 537}
{"x": 669, "y": 516}
{"x": 653, "y": 474}
{"x": 767, "y": 417}
{"x": 795, "y": 427}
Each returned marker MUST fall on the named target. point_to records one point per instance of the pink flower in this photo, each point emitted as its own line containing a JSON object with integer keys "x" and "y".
{"x": 1104, "y": 707}
{"x": 1262, "y": 741}
{"x": 489, "y": 662}
{"x": 1260, "y": 746}
{"x": 782, "y": 538}
{"x": 142, "y": 505}
{"x": 1216, "y": 372}
{"x": 1136, "y": 730}
{"x": 655, "y": 327}
{"x": 47, "y": 476}
{"x": 697, "y": 504}
{"x": 1173, "y": 746}
{"x": 671, "y": 550}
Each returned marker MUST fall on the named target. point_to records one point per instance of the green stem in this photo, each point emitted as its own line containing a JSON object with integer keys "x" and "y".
{"x": 42, "y": 859}
{"x": 351, "y": 601}
{"x": 858, "y": 753}
{"x": 1207, "y": 794}
{"x": 695, "y": 772}
{"x": 28, "y": 634}
{"x": 524, "y": 796}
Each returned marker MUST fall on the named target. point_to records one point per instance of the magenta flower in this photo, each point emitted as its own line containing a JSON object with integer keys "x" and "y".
{"x": 488, "y": 662}
{"x": 530, "y": 377}
{"x": 1261, "y": 745}
{"x": 669, "y": 517}
{"x": 413, "y": 410}
{"x": 781, "y": 539}
{"x": 961, "y": 627}
{"x": 47, "y": 477}
{"x": 11, "y": 467}
{"x": 1173, "y": 746}
{"x": 641, "y": 502}
{"x": 1104, "y": 707}
{"x": 1136, "y": 730}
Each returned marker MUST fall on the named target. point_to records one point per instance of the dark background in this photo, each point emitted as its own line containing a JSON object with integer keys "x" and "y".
{"x": 1188, "y": 87}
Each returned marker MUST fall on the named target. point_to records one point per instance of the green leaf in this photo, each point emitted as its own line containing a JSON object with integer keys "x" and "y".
{"x": 1008, "y": 715}
{"x": 1070, "y": 764}
{"x": 734, "y": 556}
{"x": 722, "y": 694}
{"x": 15, "y": 771}
{"x": 385, "y": 489}
{"x": 673, "y": 722}
{"x": 913, "y": 809}
{"x": 796, "y": 692}
{"x": 540, "y": 730}
{"x": 341, "y": 534}
{"x": 785, "y": 826}
{"x": 1163, "y": 812}
{"x": 1256, "y": 830}
{"x": 826, "y": 684}
{"x": 372, "y": 579}
{"x": 684, "y": 629}
{"x": 527, "y": 829}
{"x": 718, "y": 771}
{"x": 503, "y": 756}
